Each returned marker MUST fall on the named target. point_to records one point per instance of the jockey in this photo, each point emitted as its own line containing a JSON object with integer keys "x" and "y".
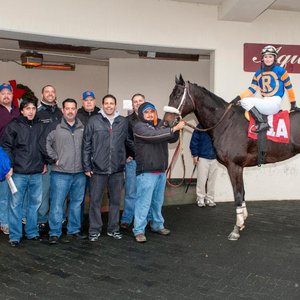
{"x": 272, "y": 80}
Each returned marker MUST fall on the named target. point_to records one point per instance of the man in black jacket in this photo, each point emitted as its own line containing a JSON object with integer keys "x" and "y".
{"x": 104, "y": 157}
{"x": 48, "y": 112}
{"x": 151, "y": 154}
{"x": 21, "y": 142}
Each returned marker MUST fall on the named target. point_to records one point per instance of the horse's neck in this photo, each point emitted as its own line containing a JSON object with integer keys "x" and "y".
{"x": 209, "y": 110}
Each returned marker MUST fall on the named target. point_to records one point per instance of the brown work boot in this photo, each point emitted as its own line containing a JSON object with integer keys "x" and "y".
{"x": 141, "y": 238}
{"x": 163, "y": 231}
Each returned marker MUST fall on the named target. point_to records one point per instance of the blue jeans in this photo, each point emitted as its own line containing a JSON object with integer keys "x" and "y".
{"x": 130, "y": 192}
{"x": 63, "y": 184}
{"x": 5, "y": 196}
{"x": 44, "y": 208}
{"x": 30, "y": 187}
{"x": 149, "y": 197}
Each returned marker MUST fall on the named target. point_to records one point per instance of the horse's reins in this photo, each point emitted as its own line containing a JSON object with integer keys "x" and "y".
{"x": 178, "y": 111}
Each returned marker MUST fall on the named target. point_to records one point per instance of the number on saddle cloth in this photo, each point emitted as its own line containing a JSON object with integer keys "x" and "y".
{"x": 279, "y": 130}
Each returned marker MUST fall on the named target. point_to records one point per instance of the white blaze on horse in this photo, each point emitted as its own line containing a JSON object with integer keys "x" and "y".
{"x": 233, "y": 147}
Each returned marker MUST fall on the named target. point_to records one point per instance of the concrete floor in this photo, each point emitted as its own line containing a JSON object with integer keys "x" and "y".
{"x": 195, "y": 262}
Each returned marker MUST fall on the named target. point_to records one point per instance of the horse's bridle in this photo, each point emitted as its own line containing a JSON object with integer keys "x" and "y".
{"x": 179, "y": 109}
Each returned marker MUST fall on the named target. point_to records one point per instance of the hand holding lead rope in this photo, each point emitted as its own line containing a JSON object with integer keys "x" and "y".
{"x": 178, "y": 126}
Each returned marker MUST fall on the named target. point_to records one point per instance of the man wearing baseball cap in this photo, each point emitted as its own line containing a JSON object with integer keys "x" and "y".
{"x": 88, "y": 108}
{"x": 8, "y": 112}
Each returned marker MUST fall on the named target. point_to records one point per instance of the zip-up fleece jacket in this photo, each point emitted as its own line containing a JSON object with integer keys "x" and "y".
{"x": 64, "y": 146}
{"x": 104, "y": 145}
{"x": 21, "y": 142}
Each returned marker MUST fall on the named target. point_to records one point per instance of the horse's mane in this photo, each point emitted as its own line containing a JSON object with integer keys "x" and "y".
{"x": 210, "y": 94}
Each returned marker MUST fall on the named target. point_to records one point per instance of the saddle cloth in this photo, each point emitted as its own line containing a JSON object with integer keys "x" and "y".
{"x": 279, "y": 130}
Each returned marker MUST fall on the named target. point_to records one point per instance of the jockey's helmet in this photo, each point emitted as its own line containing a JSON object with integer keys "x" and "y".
{"x": 269, "y": 50}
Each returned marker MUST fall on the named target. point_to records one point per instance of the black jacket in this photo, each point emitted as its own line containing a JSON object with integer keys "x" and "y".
{"x": 48, "y": 113}
{"x": 21, "y": 142}
{"x": 151, "y": 145}
{"x": 84, "y": 116}
{"x": 132, "y": 120}
{"x": 104, "y": 145}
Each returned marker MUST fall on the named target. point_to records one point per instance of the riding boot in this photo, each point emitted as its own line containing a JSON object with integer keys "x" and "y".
{"x": 261, "y": 121}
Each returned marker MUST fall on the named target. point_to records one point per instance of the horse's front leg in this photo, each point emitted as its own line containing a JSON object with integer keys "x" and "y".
{"x": 235, "y": 173}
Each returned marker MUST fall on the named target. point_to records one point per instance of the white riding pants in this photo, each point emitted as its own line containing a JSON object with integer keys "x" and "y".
{"x": 266, "y": 106}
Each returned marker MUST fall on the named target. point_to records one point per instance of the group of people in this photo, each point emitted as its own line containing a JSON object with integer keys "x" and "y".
{"x": 58, "y": 154}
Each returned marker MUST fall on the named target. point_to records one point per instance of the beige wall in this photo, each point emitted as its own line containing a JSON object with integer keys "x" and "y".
{"x": 136, "y": 24}
{"x": 69, "y": 84}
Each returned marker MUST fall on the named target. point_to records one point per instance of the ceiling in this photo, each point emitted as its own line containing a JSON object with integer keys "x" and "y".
{"x": 238, "y": 10}
{"x": 290, "y": 5}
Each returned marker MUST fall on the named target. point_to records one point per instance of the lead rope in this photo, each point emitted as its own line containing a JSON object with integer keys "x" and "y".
{"x": 178, "y": 149}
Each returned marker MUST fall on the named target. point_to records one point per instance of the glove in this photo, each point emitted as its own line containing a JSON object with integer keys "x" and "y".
{"x": 236, "y": 100}
{"x": 294, "y": 107}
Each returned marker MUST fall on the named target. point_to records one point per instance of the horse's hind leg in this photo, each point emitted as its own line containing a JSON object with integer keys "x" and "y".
{"x": 235, "y": 173}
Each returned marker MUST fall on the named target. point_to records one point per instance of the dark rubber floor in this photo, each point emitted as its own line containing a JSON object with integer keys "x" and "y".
{"x": 195, "y": 262}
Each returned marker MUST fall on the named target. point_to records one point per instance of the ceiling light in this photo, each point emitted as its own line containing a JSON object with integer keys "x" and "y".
{"x": 31, "y": 59}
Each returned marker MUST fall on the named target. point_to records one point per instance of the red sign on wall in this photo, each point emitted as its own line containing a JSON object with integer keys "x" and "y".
{"x": 288, "y": 57}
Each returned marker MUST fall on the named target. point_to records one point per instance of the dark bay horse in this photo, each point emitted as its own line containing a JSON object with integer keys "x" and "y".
{"x": 230, "y": 137}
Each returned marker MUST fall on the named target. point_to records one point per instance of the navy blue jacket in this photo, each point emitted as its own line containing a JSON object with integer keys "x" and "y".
{"x": 201, "y": 145}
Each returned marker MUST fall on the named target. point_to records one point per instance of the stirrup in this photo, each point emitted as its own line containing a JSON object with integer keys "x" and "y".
{"x": 261, "y": 127}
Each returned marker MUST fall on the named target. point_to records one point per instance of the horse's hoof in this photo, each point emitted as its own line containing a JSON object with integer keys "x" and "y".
{"x": 233, "y": 236}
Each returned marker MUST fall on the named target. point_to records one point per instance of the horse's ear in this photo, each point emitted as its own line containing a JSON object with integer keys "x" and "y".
{"x": 181, "y": 80}
{"x": 176, "y": 80}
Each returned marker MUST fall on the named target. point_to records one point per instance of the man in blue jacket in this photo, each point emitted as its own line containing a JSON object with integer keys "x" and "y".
{"x": 204, "y": 157}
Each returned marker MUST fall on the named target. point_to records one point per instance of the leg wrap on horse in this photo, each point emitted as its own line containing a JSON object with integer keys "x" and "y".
{"x": 240, "y": 218}
{"x": 245, "y": 211}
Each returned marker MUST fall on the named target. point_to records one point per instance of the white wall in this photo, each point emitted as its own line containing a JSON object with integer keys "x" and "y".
{"x": 68, "y": 84}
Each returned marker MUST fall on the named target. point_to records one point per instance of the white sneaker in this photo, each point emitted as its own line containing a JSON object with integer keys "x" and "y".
{"x": 210, "y": 203}
{"x": 200, "y": 202}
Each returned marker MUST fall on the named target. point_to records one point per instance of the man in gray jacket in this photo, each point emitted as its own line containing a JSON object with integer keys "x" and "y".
{"x": 63, "y": 146}
{"x": 104, "y": 157}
